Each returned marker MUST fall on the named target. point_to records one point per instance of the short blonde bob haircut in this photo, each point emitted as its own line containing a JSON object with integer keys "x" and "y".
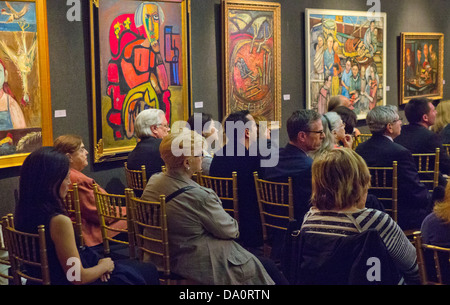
{"x": 177, "y": 146}
{"x": 340, "y": 180}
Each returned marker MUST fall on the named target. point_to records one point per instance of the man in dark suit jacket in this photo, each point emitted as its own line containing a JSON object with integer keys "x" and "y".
{"x": 414, "y": 199}
{"x": 240, "y": 155}
{"x": 417, "y": 137}
{"x": 150, "y": 127}
{"x": 305, "y": 133}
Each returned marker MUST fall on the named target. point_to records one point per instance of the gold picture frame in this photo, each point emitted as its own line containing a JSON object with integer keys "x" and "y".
{"x": 252, "y": 62}
{"x": 136, "y": 65}
{"x": 426, "y": 78}
{"x": 26, "y": 122}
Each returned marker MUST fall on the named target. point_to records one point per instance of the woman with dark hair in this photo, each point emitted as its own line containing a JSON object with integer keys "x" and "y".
{"x": 44, "y": 181}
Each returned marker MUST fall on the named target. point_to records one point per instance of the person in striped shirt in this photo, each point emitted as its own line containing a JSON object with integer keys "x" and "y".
{"x": 340, "y": 182}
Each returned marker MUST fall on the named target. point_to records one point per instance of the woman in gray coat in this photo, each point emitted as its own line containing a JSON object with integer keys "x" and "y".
{"x": 201, "y": 233}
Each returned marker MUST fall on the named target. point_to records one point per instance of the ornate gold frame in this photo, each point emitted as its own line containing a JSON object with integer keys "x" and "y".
{"x": 228, "y": 102}
{"x": 44, "y": 84}
{"x": 120, "y": 152}
{"x": 439, "y": 81}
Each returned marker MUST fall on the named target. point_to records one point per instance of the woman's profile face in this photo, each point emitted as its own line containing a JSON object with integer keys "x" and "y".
{"x": 78, "y": 159}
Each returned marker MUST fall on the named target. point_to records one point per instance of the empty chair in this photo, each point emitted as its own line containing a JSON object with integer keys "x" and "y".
{"x": 72, "y": 203}
{"x": 276, "y": 207}
{"x": 26, "y": 252}
{"x": 226, "y": 189}
{"x": 433, "y": 261}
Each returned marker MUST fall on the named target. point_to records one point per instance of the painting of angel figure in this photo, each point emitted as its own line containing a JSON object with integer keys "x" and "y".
{"x": 345, "y": 55}
{"x": 252, "y": 77}
{"x": 142, "y": 65}
{"x": 21, "y": 120}
{"x": 422, "y": 66}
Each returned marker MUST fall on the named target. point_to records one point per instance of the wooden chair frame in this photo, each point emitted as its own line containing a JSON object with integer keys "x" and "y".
{"x": 110, "y": 206}
{"x": 25, "y": 249}
{"x": 226, "y": 189}
{"x": 424, "y": 167}
{"x": 361, "y": 138}
{"x": 72, "y": 204}
{"x": 379, "y": 184}
{"x": 268, "y": 194}
{"x": 136, "y": 179}
{"x": 6, "y": 261}
{"x": 420, "y": 247}
{"x": 446, "y": 149}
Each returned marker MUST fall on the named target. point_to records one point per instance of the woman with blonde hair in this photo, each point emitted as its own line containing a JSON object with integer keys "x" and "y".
{"x": 201, "y": 234}
{"x": 340, "y": 183}
{"x": 442, "y": 119}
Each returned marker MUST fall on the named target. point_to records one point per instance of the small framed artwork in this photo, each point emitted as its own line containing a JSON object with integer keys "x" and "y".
{"x": 252, "y": 58}
{"x": 139, "y": 59}
{"x": 25, "y": 101}
{"x": 421, "y": 66}
{"x": 345, "y": 55}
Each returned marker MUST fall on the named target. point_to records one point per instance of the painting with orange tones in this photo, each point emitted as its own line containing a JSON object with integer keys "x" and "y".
{"x": 252, "y": 58}
{"x": 142, "y": 63}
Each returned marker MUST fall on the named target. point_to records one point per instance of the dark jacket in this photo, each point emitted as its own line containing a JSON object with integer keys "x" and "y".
{"x": 146, "y": 153}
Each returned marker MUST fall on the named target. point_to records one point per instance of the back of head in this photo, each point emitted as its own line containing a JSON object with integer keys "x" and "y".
{"x": 67, "y": 144}
{"x": 41, "y": 176}
{"x": 379, "y": 117}
{"x": 233, "y": 122}
{"x": 340, "y": 180}
{"x": 415, "y": 109}
{"x": 198, "y": 121}
{"x": 144, "y": 120}
{"x": 300, "y": 120}
{"x": 334, "y": 102}
{"x": 442, "y": 116}
{"x": 348, "y": 116}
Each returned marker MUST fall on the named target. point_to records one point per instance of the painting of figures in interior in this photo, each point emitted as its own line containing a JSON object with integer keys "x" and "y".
{"x": 345, "y": 55}
{"x": 142, "y": 64}
{"x": 25, "y": 111}
{"x": 252, "y": 58}
{"x": 421, "y": 66}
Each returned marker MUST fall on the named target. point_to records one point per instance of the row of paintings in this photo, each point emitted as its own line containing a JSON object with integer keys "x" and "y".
{"x": 140, "y": 58}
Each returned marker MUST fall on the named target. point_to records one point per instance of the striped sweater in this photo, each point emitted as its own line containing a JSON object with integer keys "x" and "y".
{"x": 336, "y": 223}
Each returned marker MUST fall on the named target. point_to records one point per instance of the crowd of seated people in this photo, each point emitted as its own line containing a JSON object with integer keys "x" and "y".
{"x": 209, "y": 246}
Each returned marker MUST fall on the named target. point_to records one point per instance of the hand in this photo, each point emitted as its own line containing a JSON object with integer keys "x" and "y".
{"x": 347, "y": 141}
{"x": 108, "y": 265}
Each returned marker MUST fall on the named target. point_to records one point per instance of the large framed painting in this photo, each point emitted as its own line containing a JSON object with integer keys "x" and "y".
{"x": 421, "y": 66}
{"x": 139, "y": 61}
{"x": 25, "y": 103}
{"x": 252, "y": 58}
{"x": 345, "y": 55}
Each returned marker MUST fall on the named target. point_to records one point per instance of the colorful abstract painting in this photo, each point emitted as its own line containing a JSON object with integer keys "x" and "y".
{"x": 345, "y": 55}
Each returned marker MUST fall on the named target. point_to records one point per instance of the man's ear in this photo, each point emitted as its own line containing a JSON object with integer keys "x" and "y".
{"x": 425, "y": 117}
{"x": 247, "y": 133}
{"x": 301, "y": 135}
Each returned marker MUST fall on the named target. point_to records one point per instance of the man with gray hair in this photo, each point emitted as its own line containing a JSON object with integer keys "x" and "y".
{"x": 414, "y": 200}
{"x": 150, "y": 127}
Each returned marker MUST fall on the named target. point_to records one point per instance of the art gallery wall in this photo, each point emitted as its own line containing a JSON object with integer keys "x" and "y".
{"x": 71, "y": 79}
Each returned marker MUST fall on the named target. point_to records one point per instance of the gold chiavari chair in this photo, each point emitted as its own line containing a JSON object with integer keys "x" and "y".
{"x": 5, "y": 264}
{"x": 72, "y": 204}
{"x": 26, "y": 252}
{"x": 428, "y": 168}
{"x": 276, "y": 208}
{"x": 360, "y": 139}
{"x": 446, "y": 149}
{"x": 136, "y": 179}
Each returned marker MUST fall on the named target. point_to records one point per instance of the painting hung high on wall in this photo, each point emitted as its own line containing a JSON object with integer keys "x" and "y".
{"x": 25, "y": 106}
{"x": 345, "y": 55}
{"x": 139, "y": 61}
{"x": 421, "y": 66}
{"x": 252, "y": 58}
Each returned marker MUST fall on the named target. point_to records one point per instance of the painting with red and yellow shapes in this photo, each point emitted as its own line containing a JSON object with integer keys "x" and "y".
{"x": 252, "y": 60}
{"x": 142, "y": 65}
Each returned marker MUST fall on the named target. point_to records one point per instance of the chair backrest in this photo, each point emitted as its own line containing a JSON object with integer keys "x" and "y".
{"x": 72, "y": 203}
{"x": 428, "y": 168}
{"x": 384, "y": 185}
{"x": 136, "y": 179}
{"x": 113, "y": 207}
{"x": 5, "y": 264}
{"x": 433, "y": 261}
{"x": 276, "y": 207}
{"x": 226, "y": 189}
{"x": 150, "y": 228}
{"x": 446, "y": 149}
{"x": 360, "y": 139}
{"x": 26, "y": 251}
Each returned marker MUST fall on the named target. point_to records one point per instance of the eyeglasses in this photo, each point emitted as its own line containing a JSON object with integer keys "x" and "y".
{"x": 395, "y": 121}
{"x": 313, "y": 131}
{"x": 164, "y": 125}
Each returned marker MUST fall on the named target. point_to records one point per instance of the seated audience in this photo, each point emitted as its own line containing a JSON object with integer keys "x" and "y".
{"x": 441, "y": 125}
{"x": 305, "y": 131}
{"x": 73, "y": 147}
{"x": 380, "y": 150}
{"x": 436, "y": 226}
{"x": 339, "y": 100}
{"x": 240, "y": 154}
{"x": 338, "y": 210}
{"x": 44, "y": 182}
{"x": 201, "y": 232}
{"x": 349, "y": 118}
{"x": 205, "y": 127}
{"x": 150, "y": 127}
{"x": 417, "y": 137}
